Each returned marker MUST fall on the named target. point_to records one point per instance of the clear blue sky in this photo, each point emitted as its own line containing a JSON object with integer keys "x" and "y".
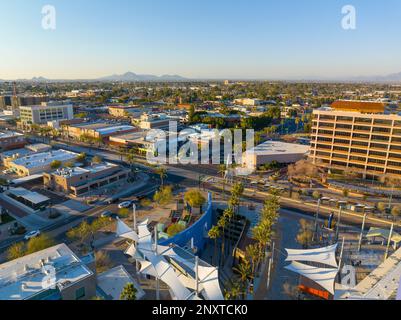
{"x": 199, "y": 38}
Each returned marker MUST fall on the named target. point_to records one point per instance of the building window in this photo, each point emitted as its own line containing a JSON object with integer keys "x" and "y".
{"x": 80, "y": 293}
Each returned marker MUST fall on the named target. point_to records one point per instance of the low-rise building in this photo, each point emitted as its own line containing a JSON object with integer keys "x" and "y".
{"x": 10, "y": 140}
{"x": 39, "y": 162}
{"x": 97, "y": 130}
{"x": 79, "y": 181}
{"x": 55, "y": 273}
{"x": 159, "y": 121}
{"x": 122, "y": 111}
{"x": 270, "y": 151}
{"x": 30, "y": 199}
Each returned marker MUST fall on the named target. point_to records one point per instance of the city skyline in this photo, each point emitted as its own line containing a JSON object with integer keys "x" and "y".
{"x": 200, "y": 40}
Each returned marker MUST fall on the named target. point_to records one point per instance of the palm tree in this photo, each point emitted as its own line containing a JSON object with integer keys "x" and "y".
{"x": 252, "y": 252}
{"x": 229, "y": 214}
{"x": 222, "y": 224}
{"x": 245, "y": 273}
{"x": 214, "y": 233}
{"x": 234, "y": 291}
{"x": 222, "y": 171}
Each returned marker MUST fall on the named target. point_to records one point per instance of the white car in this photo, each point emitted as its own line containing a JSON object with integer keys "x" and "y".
{"x": 125, "y": 204}
{"x": 32, "y": 234}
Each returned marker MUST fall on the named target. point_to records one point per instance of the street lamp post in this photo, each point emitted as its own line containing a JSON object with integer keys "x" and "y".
{"x": 361, "y": 235}
{"x": 338, "y": 223}
{"x": 316, "y": 219}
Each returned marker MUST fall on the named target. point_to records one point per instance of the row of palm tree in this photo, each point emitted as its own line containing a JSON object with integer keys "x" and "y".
{"x": 255, "y": 253}
{"x": 219, "y": 231}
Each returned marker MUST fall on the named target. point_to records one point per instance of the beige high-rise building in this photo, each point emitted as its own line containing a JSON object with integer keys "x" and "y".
{"x": 357, "y": 136}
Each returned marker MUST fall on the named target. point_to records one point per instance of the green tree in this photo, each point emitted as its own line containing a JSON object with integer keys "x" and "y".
{"x": 55, "y": 164}
{"x": 194, "y": 198}
{"x": 80, "y": 233}
{"x": 39, "y": 243}
{"x": 305, "y": 234}
{"x": 97, "y": 159}
{"x": 82, "y": 157}
{"x": 396, "y": 211}
{"x": 17, "y": 250}
{"x": 175, "y": 229}
{"x": 214, "y": 234}
{"x": 123, "y": 213}
{"x": 164, "y": 195}
{"x": 129, "y": 292}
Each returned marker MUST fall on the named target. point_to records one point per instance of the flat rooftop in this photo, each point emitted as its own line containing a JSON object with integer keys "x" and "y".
{"x": 45, "y": 158}
{"x": 31, "y": 196}
{"x": 278, "y": 147}
{"x": 70, "y": 172}
{"x": 9, "y": 134}
{"x": 24, "y": 278}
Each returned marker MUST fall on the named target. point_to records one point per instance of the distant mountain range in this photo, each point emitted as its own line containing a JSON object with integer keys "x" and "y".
{"x": 133, "y": 77}
{"x": 126, "y": 77}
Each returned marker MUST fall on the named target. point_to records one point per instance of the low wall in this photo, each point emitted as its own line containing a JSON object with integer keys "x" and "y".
{"x": 198, "y": 231}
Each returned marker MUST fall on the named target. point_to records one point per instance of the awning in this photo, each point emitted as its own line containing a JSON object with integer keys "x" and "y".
{"x": 322, "y": 276}
{"x": 325, "y": 255}
{"x": 383, "y": 233}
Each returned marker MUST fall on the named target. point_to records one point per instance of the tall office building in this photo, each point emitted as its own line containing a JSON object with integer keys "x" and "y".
{"x": 47, "y": 111}
{"x": 358, "y": 136}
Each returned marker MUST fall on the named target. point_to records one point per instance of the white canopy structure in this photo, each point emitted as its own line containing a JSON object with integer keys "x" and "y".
{"x": 325, "y": 255}
{"x": 187, "y": 277}
{"x": 322, "y": 276}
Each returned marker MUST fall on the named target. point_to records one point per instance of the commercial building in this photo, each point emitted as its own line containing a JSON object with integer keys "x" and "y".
{"x": 47, "y": 111}
{"x": 55, "y": 273}
{"x": 123, "y": 111}
{"x": 270, "y": 151}
{"x": 39, "y": 162}
{"x": 10, "y": 140}
{"x": 357, "y": 136}
{"x": 97, "y": 130}
{"x": 155, "y": 121}
{"x": 79, "y": 181}
{"x": 248, "y": 102}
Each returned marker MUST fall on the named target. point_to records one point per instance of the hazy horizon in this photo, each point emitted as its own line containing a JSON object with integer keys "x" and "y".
{"x": 255, "y": 39}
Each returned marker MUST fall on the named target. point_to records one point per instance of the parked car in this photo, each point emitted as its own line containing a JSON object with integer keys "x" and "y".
{"x": 125, "y": 204}
{"x": 32, "y": 234}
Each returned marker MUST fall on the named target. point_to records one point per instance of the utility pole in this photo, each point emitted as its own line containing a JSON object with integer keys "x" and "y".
{"x": 268, "y": 273}
{"x": 389, "y": 241}
{"x": 361, "y": 235}
{"x": 338, "y": 223}
{"x": 157, "y": 276}
{"x": 315, "y": 235}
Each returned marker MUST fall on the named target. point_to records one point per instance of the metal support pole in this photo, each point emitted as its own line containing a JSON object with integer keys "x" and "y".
{"x": 272, "y": 257}
{"x": 341, "y": 259}
{"x": 389, "y": 241}
{"x": 268, "y": 273}
{"x": 316, "y": 220}
{"x": 361, "y": 235}
{"x": 197, "y": 275}
{"x": 157, "y": 289}
{"x": 338, "y": 223}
